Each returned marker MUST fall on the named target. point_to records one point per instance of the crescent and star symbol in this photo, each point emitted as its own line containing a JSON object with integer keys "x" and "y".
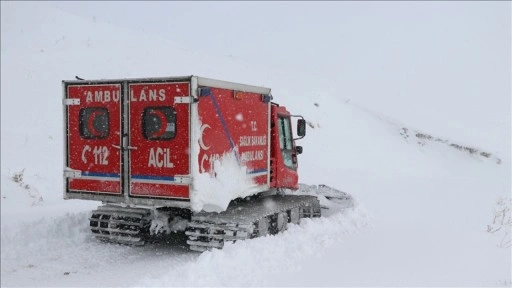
{"x": 201, "y": 143}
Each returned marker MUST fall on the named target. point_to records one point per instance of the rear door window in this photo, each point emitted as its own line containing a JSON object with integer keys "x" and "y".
{"x": 94, "y": 123}
{"x": 159, "y": 123}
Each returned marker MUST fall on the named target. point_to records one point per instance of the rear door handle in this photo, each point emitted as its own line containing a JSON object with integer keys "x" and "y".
{"x": 127, "y": 148}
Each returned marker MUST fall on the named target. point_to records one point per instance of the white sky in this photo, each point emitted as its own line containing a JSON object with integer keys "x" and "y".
{"x": 413, "y": 60}
{"x": 317, "y": 33}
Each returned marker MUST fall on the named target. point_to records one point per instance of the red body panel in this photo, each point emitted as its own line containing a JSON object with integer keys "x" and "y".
{"x": 234, "y": 122}
{"x": 155, "y": 163}
{"x": 99, "y": 162}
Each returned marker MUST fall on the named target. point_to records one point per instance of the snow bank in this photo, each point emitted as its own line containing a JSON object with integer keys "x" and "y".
{"x": 60, "y": 251}
{"x": 260, "y": 261}
{"x": 47, "y": 243}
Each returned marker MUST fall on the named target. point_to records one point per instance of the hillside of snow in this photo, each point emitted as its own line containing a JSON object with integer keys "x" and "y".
{"x": 418, "y": 132}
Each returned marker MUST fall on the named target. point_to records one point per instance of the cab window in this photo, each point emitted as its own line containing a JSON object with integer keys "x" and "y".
{"x": 285, "y": 141}
{"x": 159, "y": 123}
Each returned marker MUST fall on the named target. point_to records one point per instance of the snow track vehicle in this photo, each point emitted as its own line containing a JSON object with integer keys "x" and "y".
{"x": 205, "y": 157}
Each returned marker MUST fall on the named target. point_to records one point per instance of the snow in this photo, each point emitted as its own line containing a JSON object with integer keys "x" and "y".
{"x": 228, "y": 180}
{"x": 426, "y": 213}
{"x": 262, "y": 260}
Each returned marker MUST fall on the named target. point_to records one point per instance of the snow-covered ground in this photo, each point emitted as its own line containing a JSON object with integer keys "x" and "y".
{"x": 425, "y": 207}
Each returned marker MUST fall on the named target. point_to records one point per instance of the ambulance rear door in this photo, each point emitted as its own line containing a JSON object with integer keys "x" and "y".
{"x": 159, "y": 139}
{"x": 93, "y": 131}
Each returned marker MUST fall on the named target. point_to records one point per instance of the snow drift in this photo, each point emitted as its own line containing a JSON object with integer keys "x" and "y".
{"x": 229, "y": 180}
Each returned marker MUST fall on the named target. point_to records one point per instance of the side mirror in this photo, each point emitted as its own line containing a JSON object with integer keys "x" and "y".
{"x": 301, "y": 127}
{"x": 298, "y": 149}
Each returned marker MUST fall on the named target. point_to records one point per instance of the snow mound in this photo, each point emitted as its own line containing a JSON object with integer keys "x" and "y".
{"x": 60, "y": 251}
{"x": 228, "y": 180}
{"x": 259, "y": 261}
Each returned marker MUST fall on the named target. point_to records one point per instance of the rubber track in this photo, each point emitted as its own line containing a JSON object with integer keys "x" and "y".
{"x": 249, "y": 219}
{"x": 120, "y": 225}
